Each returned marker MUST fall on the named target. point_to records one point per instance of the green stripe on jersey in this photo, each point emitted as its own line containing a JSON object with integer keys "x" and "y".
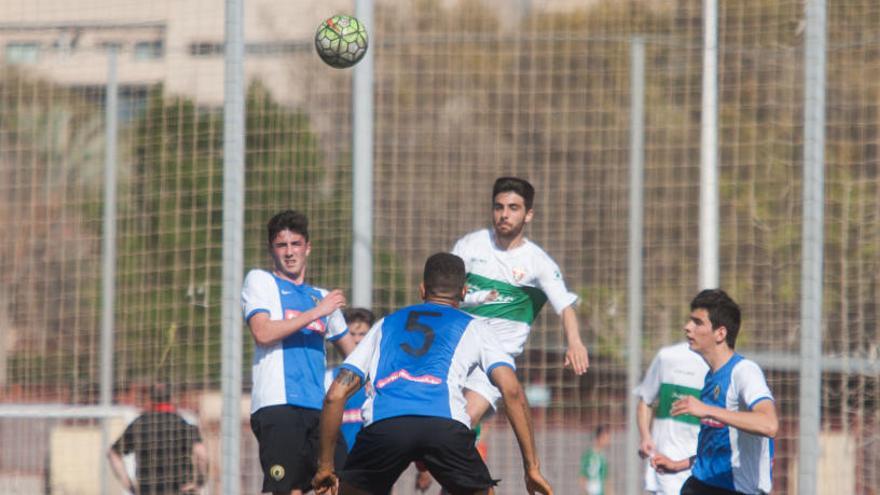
{"x": 513, "y": 303}
{"x": 670, "y": 393}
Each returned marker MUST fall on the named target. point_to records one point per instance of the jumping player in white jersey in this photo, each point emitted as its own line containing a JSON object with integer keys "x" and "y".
{"x": 417, "y": 360}
{"x": 675, "y": 372}
{"x": 737, "y": 414}
{"x": 290, "y": 320}
{"x": 509, "y": 280}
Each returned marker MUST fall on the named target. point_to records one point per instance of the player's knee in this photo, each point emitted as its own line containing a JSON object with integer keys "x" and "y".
{"x": 477, "y": 406}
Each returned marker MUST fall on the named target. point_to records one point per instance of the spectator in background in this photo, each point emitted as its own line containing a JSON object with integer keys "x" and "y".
{"x": 169, "y": 452}
{"x": 594, "y": 463}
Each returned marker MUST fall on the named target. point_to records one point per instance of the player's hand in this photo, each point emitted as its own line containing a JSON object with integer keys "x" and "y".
{"x": 325, "y": 482}
{"x": 647, "y": 448}
{"x": 665, "y": 465}
{"x": 577, "y": 359}
{"x": 491, "y": 296}
{"x": 190, "y": 487}
{"x": 689, "y": 405}
{"x": 423, "y": 481}
{"x": 535, "y": 483}
{"x": 334, "y": 300}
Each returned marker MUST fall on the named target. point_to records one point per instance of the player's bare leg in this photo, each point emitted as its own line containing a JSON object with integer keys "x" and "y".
{"x": 477, "y": 406}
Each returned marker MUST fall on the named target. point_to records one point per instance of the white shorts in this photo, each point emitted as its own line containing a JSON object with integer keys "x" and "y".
{"x": 665, "y": 484}
{"x": 512, "y": 335}
{"x": 479, "y": 382}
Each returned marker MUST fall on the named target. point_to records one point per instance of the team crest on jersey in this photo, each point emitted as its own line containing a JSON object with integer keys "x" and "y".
{"x": 518, "y": 274}
{"x": 716, "y": 392}
{"x": 316, "y": 326}
{"x": 276, "y": 472}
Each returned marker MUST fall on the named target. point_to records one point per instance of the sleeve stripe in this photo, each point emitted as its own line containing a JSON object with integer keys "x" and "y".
{"x": 355, "y": 370}
{"x": 638, "y": 392}
{"x": 572, "y": 301}
{"x": 252, "y": 313}
{"x": 339, "y": 336}
{"x": 759, "y": 399}
{"x": 495, "y": 365}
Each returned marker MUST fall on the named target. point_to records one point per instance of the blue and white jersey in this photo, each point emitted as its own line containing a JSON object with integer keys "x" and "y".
{"x": 727, "y": 457}
{"x": 418, "y": 358}
{"x": 352, "y": 415}
{"x": 290, "y": 371}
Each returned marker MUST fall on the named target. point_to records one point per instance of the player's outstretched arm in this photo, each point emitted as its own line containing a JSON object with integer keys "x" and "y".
{"x": 666, "y": 465}
{"x": 345, "y": 385}
{"x": 268, "y": 332}
{"x": 517, "y": 409}
{"x": 761, "y": 420}
{"x": 576, "y": 356}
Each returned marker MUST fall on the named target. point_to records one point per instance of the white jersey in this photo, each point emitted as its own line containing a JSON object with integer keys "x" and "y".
{"x": 290, "y": 371}
{"x": 524, "y": 277}
{"x": 675, "y": 372}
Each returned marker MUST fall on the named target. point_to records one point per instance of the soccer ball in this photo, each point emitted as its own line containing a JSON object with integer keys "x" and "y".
{"x": 341, "y": 41}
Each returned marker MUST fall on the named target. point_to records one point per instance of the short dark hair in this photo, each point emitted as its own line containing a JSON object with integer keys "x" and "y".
{"x": 444, "y": 275}
{"x": 160, "y": 393}
{"x": 600, "y": 430}
{"x": 723, "y": 312}
{"x": 291, "y": 220}
{"x": 359, "y": 314}
{"x": 516, "y": 185}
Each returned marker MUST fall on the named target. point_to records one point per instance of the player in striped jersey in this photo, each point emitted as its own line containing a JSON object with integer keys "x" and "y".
{"x": 417, "y": 360}
{"x": 510, "y": 278}
{"x": 737, "y": 414}
{"x": 289, "y": 321}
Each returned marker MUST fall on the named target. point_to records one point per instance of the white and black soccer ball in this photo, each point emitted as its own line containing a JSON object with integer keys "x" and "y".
{"x": 341, "y": 41}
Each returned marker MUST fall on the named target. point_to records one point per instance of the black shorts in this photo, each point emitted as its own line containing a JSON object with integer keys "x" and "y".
{"x": 693, "y": 486}
{"x": 384, "y": 449}
{"x": 288, "y": 440}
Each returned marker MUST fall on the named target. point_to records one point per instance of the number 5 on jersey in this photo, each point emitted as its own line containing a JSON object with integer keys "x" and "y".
{"x": 414, "y": 325}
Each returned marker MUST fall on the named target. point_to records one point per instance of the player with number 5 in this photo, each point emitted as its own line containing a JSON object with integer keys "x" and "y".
{"x": 417, "y": 360}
